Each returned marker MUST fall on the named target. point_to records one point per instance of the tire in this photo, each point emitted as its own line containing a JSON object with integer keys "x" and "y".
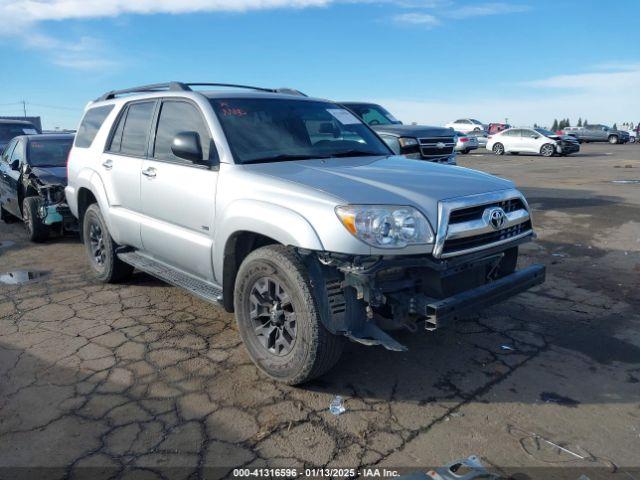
{"x": 547, "y": 150}
{"x": 36, "y": 230}
{"x": 307, "y": 350}
{"x": 613, "y": 139}
{"x": 5, "y": 216}
{"x": 464, "y": 152}
{"x": 498, "y": 149}
{"x": 101, "y": 249}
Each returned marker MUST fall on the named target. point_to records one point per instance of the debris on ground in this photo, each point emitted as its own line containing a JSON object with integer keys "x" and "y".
{"x": 627, "y": 182}
{"x": 552, "y": 397}
{"x": 562, "y": 255}
{"x": 336, "y": 406}
{"x": 463, "y": 469}
{"x": 509, "y": 348}
{"x": 19, "y": 277}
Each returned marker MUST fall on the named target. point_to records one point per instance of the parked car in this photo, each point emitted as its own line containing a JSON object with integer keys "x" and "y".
{"x": 532, "y": 140}
{"x": 497, "y": 128}
{"x": 32, "y": 180}
{"x": 597, "y": 133}
{"x": 465, "y": 143}
{"x": 435, "y": 144}
{"x": 481, "y": 137}
{"x": 242, "y": 199}
{"x": 632, "y": 135}
{"x": 467, "y": 125}
{"x": 14, "y": 128}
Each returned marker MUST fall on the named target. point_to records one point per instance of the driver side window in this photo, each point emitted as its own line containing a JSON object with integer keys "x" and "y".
{"x": 17, "y": 153}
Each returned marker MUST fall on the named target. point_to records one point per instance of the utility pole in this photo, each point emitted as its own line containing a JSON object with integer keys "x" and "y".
{"x": 24, "y": 108}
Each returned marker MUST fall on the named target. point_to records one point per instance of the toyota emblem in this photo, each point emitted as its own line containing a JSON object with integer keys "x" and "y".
{"x": 495, "y": 217}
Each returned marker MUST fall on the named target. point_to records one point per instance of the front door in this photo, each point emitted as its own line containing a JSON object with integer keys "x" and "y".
{"x": 11, "y": 178}
{"x": 178, "y": 196}
{"x": 120, "y": 169}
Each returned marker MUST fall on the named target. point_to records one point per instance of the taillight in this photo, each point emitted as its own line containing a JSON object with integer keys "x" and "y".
{"x": 464, "y": 139}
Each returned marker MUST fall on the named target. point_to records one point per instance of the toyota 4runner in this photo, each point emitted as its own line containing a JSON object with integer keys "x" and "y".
{"x": 240, "y": 197}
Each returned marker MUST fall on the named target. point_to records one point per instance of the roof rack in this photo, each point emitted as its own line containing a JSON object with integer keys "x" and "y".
{"x": 186, "y": 87}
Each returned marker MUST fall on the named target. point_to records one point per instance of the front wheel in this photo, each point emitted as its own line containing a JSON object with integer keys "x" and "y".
{"x": 279, "y": 319}
{"x": 36, "y": 230}
{"x": 547, "y": 150}
{"x": 498, "y": 149}
{"x": 101, "y": 249}
{"x": 613, "y": 139}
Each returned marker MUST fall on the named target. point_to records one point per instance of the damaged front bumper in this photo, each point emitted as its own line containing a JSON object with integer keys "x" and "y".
{"x": 362, "y": 299}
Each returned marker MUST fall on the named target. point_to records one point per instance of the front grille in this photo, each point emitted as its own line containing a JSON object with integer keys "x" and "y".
{"x": 475, "y": 212}
{"x": 459, "y": 244}
{"x": 428, "y": 146}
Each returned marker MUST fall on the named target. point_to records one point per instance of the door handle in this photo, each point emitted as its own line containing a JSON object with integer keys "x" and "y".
{"x": 107, "y": 164}
{"x": 149, "y": 172}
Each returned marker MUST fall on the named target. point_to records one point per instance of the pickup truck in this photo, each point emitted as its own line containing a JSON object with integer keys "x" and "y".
{"x": 241, "y": 197}
{"x": 597, "y": 133}
{"x": 434, "y": 144}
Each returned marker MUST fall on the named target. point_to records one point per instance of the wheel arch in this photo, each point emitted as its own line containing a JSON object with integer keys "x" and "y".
{"x": 247, "y": 225}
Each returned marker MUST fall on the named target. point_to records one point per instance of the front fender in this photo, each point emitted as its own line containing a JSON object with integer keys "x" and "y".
{"x": 274, "y": 221}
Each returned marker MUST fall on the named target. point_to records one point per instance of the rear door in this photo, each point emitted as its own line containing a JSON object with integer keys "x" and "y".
{"x": 178, "y": 196}
{"x": 126, "y": 149}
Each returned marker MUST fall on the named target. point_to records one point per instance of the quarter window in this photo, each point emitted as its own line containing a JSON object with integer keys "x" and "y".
{"x": 91, "y": 123}
{"x": 177, "y": 117}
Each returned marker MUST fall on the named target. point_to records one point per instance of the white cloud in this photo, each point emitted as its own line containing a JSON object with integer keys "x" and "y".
{"x": 486, "y": 9}
{"x": 619, "y": 76}
{"x": 423, "y": 19}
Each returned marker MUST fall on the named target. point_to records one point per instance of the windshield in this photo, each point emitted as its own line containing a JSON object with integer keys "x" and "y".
{"x": 48, "y": 153}
{"x": 10, "y": 130}
{"x": 271, "y": 130}
{"x": 373, "y": 114}
{"x": 544, "y": 132}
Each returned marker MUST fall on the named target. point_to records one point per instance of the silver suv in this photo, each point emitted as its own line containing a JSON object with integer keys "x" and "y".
{"x": 292, "y": 213}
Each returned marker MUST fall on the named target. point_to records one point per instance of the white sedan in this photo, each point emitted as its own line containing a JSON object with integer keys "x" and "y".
{"x": 467, "y": 125}
{"x": 531, "y": 140}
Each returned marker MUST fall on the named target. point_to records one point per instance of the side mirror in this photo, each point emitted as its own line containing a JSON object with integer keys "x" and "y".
{"x": 15, "y": 165}
{"x": 186, "y": 145}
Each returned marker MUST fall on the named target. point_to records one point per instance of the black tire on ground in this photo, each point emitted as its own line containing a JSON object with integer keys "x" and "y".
{"x": 498, "y": 149}
{"x": 276, "y": 274}
{"x": 547, "y": 150}
{"x": 36, "y": 230}
{"x": 5, "y": 216}
{"x": 465, "y": 151}
{"x": 613, "y": 139}
{"x": 101, "y": 249}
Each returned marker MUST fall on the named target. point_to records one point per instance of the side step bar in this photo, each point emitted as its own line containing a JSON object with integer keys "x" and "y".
{"x": 206, "y": 291}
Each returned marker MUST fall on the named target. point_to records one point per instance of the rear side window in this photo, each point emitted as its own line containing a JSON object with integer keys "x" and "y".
{"x": 131, "y": 135}
{"x": 177, "y": 117}
{"x": 91, "y": 123}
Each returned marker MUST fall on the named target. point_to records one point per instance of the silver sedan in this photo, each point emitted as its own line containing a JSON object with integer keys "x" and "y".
{"x": 465, "y": 142}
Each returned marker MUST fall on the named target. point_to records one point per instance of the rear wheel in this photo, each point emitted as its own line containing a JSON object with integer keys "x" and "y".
{"x": 279, "y": 319}
{"x": 613, "y": 139}
{"x": 36, "y": 230}
{"x": 101, "y": 249}
{"x": 498, "y": 149}
{"x": 547, "y": 150}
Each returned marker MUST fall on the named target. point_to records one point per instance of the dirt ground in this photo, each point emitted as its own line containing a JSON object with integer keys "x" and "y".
{"x": 142, "y": 380}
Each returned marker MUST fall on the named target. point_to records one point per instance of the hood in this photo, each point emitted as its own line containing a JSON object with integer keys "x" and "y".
{"x": 50, "y": 175}
{"x": 393, "y": 180}
{"x": 415, "y": 131}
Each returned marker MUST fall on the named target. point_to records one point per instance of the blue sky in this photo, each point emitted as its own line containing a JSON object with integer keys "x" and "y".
{"x": 428, "y": 61}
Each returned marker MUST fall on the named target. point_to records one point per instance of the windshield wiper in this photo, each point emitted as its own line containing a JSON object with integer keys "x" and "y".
{"x": 284, "y": 157}
{"x": 355, "y": 153}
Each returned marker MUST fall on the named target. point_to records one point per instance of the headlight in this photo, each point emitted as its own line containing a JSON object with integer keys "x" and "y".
{"x": 407, "y": 142}
{"x": 386, "y": 226}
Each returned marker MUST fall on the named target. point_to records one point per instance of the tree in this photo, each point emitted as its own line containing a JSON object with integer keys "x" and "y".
{"x": 580, "y": 122}
{"x": 568, "y": 123}
{"x": 535, "y": 125}
{"x": 615, "y": 126}
{"x": 554, "y": 127}
{"x": 584, "y": 124}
